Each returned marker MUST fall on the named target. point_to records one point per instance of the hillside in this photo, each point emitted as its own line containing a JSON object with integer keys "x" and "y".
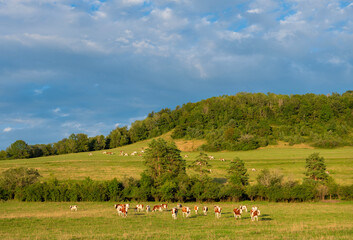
{"x": 245, "y": 121}
{"x": 248, "y": 121}
{"x": 288, "y": 160}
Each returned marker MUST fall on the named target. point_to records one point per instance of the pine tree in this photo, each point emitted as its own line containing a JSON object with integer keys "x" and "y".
{"x": 316, "y": 167}
{"x": 163, "y": 161}
{"x": 238, "y": 173}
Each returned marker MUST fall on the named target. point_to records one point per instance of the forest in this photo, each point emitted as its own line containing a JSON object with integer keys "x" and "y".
{"x": 244, "y": 121}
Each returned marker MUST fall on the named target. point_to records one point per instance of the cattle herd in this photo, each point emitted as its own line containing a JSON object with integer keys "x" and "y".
{"x": 122, "y": 210}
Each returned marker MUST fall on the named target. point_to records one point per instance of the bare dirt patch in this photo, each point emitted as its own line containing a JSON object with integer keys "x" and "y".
{"x": 282, "y": 144}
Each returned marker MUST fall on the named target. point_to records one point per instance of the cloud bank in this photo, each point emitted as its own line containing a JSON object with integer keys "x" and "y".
{"x": 82, "y": 66}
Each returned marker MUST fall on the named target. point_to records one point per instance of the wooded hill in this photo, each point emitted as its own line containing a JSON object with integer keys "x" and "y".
{"x": 244, "y": 121}
{"x": 251, "y": 120}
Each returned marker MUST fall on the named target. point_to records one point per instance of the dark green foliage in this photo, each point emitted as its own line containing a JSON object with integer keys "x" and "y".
{"x": 18, "y": 149}
{"x": 3, "y": 155}
{"x": 238, "y": 173}
{"x": 346, "y": 192}
{"x": 118, "y": 137}
{"x": 163, "y": 161}
{"x": 316, "y": 168}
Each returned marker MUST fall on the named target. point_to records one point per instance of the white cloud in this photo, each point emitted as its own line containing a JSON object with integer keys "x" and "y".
{"x": 8, "y": 129}
{"x": 255, "y": 10}
{"x": 335, "y": 60}
{"x": 133, "y": 2}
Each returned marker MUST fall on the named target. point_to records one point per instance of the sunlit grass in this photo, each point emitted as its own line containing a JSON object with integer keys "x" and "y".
{"x": 22, "y": 220}
{"x": 288, "y": 161}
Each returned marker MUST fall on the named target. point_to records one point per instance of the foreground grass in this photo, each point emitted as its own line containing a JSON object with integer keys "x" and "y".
{"x": 21, "y": 220}
{"x": 288, "y": 161}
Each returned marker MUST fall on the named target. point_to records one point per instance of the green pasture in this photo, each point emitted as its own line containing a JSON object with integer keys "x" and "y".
{"x": 288, "y": 161}
{"x": 33, "y": 220}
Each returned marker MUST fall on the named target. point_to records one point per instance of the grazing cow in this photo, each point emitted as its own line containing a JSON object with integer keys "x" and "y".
{"x": 254, "y": 214}
{"x": 174, "y": 213}
{"x": 126, "y": 154}
{"x": 222, "y": 159}
{"x": 254, "y": 170}
{"x": 120, "y": 207}
{"x": 196, "y": 208}
{"x": 211, "y": 157}
{"x": 237, "y": 212}
{"x": 186, "y": 211}
{"x": 179, "y": 206}
{"x": 148, "y": 208}
{"x": 164, "y": 206}
{"x": 244, "y": 208}
{"x": 73, "y": 207}
{"x": 105, "y": 152}
{"x": 123, "y": 211}
{"x": 121, "y": 153}
{"x": 157, "y": 207}
{"x": 139, "y": 207}
{"x": 90, "y": 154}
{"x": 186, "y": 156}
{"x": 109, "y": 153}
{"x": 217, "y": 211}
{"x": 205, "y": 210}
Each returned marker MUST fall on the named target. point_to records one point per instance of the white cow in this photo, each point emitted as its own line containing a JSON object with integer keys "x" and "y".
{"x": 205, "y": 210}
{"x": 218, "y": 211}
{"x": 73, "y": 207}
{"x": 174, "y": 213}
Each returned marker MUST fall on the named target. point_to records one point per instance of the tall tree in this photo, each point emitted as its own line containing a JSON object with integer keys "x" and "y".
{"x": 18, "y": 149}
{"x": 163, "y": 160}
{"x": 238, "y": 173}
{"x": 316, "y": 167}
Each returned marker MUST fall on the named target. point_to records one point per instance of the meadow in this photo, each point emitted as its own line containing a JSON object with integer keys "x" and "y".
{"x": 49, "y": 220}
{"x": 288, "y": 160}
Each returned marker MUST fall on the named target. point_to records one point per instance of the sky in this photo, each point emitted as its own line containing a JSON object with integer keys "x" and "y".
{"x": 87, "y": 66}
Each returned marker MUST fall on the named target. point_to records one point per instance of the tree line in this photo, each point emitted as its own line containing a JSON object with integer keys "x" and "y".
{"x": 165, "y": 179}
{"x": 244, "y": 121}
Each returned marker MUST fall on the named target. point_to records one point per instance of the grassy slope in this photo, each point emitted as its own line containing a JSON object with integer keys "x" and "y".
{"x": 100, "y": 221}
{"x": 288, "y": 160}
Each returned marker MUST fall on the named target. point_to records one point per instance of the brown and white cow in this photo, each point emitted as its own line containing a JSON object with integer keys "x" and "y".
{"x": 186, "y": 211}
{"x": 205, "y": 210}
{"x": 123, "y": 211}
{"x": 196, "y": 208}
{"x": 217, "y": 211}
{"x": 73, "y": 207}
{"x": 164, "y": 206}
{"x": 157, "y": 207}
{"x": 120, "y": 207}
{"x": 244, "y": 208}
{"x": 174, "y": 213}
{"x": 139, "y": 207}
{"x": 254, "y": 214}
{"x": 237, "y": 212}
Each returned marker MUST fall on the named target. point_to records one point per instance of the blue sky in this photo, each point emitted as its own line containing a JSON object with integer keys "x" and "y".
{"x": 87, "y": 66}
